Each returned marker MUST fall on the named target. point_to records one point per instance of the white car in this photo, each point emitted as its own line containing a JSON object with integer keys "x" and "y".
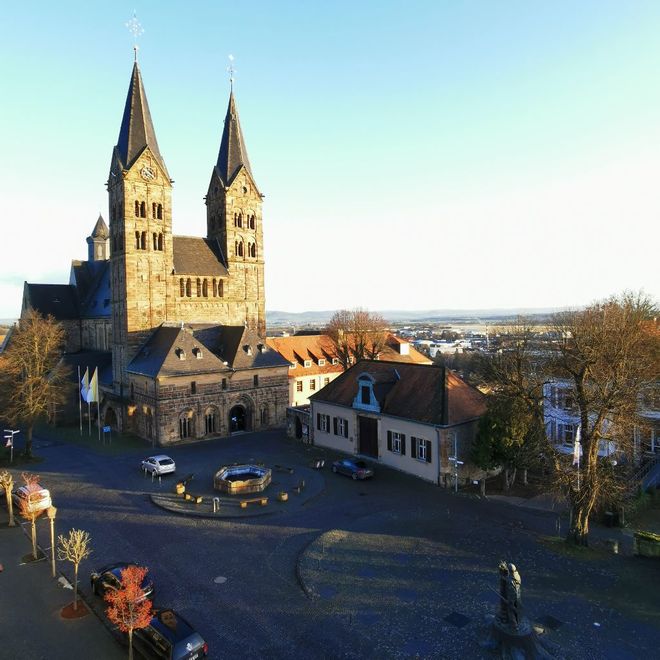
{"x": 37, "y": 498}
{"x": 158, "y": 465}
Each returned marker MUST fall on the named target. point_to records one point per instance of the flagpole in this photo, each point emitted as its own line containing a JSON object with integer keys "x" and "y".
{"x": 89, "y": 413}
{"x": 98, "y": 414}
{"x": 80, "y": 399}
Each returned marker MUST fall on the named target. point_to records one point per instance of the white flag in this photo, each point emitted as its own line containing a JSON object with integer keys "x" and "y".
{"x": 84, "y": 384}
{"x": 93, "y": 390}
{"x": 10, "y": 442}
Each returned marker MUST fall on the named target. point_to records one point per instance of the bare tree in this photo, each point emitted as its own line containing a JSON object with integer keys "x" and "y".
{"x": 7, "y": 482}
{"x": 74, "y": 548}
{"x": 356, "y": 335}
{"x": 32, "y": 375}
{"x": 127, "y": 608}
{"x": 609, "y": 353}
{"x": 27, "y": 509}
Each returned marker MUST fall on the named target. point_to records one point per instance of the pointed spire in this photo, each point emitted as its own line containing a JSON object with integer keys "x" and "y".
{"x": 233, "y": 153}
{"x": 137, "y": 130}
{"x": 100, "y": 229}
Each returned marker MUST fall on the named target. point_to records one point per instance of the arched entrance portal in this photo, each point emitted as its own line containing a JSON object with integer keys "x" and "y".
{"x": 111, "y": 418}
{"x": 237, "y": 419}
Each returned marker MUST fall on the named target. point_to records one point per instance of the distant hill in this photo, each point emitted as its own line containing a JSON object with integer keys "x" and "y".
{"x": 275, "y": 318}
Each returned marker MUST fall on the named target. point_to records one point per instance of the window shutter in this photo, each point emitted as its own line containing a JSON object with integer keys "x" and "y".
{"x": 346, "y": 428}
{"x": 428, "y": 451}
{"x": 413, "y": 447}
{"x": 318, "y": 421}
{"x": 334, "y": 424}
{"x": 403, "y": 445}
{"x": 389, "y": 440}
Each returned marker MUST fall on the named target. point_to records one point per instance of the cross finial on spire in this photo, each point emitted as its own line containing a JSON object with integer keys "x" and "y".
{"x": 136, "y": 29}
{"x": 231, "y": 71}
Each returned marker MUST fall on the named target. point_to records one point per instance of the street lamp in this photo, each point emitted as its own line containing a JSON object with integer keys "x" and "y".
{"x": 51, "y": 511}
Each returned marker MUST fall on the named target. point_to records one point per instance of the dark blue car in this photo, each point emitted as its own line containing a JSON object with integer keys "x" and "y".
{"x": 352, "y": 468}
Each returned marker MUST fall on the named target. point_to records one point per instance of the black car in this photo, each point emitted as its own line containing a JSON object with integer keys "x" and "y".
{"x": 170, "y": 636}
{"x": 109, "y": 577}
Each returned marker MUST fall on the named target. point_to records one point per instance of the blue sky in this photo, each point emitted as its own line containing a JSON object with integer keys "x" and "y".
{"x": 414, "y": 155}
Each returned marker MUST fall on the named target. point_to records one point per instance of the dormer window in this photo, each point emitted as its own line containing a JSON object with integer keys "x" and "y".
{"x": 308, "y": 363}
{"x": 248, "y": 349}
{"x": 335, "y": 360}
{"x": 321, "y": 362}
{"x": 197, "y": 352}
{"x": 364, "y": 397}
{"x": 293, "y": 365}
{"x": 180, "y": 353}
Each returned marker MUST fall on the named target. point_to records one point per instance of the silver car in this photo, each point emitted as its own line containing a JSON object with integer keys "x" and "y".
{"x": 158, "y": 465}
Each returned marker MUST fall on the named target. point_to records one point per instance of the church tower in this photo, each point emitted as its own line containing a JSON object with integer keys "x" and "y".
{"x": 140, "y": 190}
{"x": 233, "y": 218}
{"x": 98, "y": 242}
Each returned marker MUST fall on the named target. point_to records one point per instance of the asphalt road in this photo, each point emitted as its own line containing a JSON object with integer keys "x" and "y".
{"x": 240, "y": 581}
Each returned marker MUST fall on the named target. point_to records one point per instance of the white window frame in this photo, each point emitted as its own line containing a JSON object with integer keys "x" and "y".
{"x": 312, "y": 384}
{"x": 341, "y": 426}
{"x": 321, "y": 362}
{"x": 335, "y": 360}
{"x": 308, "y": 363}
{"x": 325, "y": 423}
{"x": 396, "y": 442}
{"x": 421, "y": 449}
{"x": 293, "y": 365}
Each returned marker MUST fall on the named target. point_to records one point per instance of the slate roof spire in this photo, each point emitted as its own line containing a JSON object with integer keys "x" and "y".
{"x": 137, "y": 129}
{"x": 233, "y": 153}
{"x": 100, "y": 229}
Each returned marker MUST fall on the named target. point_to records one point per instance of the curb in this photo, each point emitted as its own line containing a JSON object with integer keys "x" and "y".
{"x": 163, "y": 502}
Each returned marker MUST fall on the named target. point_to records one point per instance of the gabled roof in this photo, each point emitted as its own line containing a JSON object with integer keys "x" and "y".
{"x": 422, "y": 393}
{"x": 233, "y": 153}
{"x": 173, "y": 350}
{"x": 92, "y": 281}
{"x": 58, "y": 300}
{"x": 298, "y": 348}
{"x": 197, "y": 256}
{"x": 137, "y": 129}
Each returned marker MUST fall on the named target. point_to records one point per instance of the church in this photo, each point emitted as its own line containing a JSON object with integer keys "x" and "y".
{"x": 176, "y": 325}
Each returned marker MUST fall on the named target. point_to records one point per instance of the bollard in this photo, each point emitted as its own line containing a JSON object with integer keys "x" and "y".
{"x": 216, "y": 504}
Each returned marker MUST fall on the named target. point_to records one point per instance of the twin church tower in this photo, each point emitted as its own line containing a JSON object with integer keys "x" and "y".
{"x": 158, "y": 277}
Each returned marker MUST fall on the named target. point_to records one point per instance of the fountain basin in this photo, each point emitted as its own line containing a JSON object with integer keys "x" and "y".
{"x": 242, "y": 479}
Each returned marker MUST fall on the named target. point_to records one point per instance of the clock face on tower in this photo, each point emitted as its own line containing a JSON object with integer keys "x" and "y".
{"x": 147, "y": 173}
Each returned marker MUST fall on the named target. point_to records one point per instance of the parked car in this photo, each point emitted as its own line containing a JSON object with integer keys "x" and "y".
{"x": 109, "y": 577}
{"x": 169, "y": 635}
{"x": 37, "y": 498}
{"x": 158, "y": 465}
{"x": 353, "y": 468}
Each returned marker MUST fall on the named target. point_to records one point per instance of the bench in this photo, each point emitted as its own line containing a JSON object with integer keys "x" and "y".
{"x": 261, "y": 500}
{"x": 197, "y": 499}
{"x": 299, "y": 487}
{"x": 282, "y": 468}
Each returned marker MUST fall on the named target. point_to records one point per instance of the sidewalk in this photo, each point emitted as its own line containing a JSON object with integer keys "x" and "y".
{"x": 30, "y": 604}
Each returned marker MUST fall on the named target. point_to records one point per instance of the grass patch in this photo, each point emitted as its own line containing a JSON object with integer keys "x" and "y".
{"x": 110, "y": 444}
{"x": 19, "y": 460}
{"x": 559, "y": 545}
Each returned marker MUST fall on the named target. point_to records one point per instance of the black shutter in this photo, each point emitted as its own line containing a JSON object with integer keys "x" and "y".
{"x": 334, "y": 424}
{"x": 389, "y": 440}
{"x": 413, "y": 446}
{"x": 403, "y": 445}
{"x": 318, "y": 421}
{"x": 428, "y": 451}
{"x": 346, "y": 428}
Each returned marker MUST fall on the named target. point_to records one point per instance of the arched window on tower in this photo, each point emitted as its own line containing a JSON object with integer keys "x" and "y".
{"x": 143, "y": 209}
{"x": 143, "y": 240}
{"x": 205, "y": 288}
{"x": 199, "y": 287}
{"x": 137, "y": 240}
{"x": 221, "y": 288}
{"x": 188, "y": 288}
{"x": 182, "y": 287}
{"x": 251, "y": 223}
{"x": 253, "y": 249}
{"x": 153, "y": 210}
{"x": 155, "y": 238}
{"x": 160, "y": 242}
{"x": 215, "y": 288}
{"x": 159, "y": 212}
{"x": 137, "y": 209}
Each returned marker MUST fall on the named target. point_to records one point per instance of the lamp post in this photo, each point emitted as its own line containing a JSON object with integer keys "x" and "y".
{"x": 51, "y": 511}
{"x": 454, "y": 459}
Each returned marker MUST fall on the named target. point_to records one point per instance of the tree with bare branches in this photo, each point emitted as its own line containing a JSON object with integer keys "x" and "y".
{"x": 127, "y": 607}
{"x": 609, "y": 354}
{"x": 356, "y": 335}
{"x": 26, "y": 506}
{"x": 33, "y": 379}
{"x": 75, "y": 548}
{"x": 7, "y": 482}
